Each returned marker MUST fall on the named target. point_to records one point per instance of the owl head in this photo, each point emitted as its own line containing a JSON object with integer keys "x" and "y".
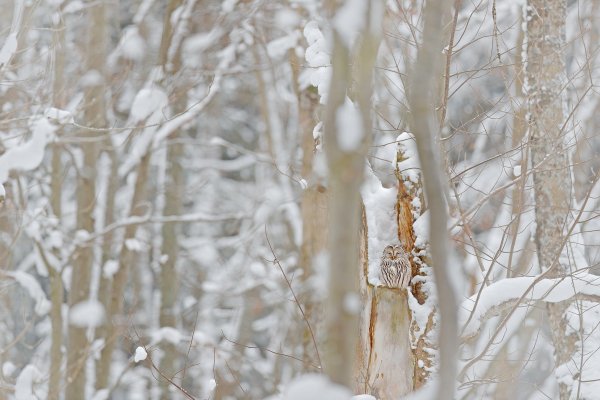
{"x": 393, "y": 251}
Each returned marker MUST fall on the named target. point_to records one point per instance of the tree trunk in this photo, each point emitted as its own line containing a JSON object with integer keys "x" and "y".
{"x": 86, "y": 198}
{"x": 346, "y": 173}
{"x": 423, "y": 126}
{"x": 313, "y": 209}
{"x": 56, "y": 283}
{"x": 546, "y": 76}
{"x": 126, "y": 258}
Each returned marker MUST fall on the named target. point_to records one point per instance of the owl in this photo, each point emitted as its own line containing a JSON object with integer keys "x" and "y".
{"x": 395, "y": 269}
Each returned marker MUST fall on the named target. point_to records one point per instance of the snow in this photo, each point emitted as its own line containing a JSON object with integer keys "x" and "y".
{"x": 380, "y": 211}
{"x": 140, "y": 354}
{"x": 318, "y": 57}
{"x": 132, "y": 46}
{"x": 350, "y": 20}
{"x": 349, "y": 124}
{"x": 517, "y": 171}
{"x": 421, "y": 229}
{"x": 363, "y": 397}
{"x": 2, "y": 193}
{"x": 74, "y": 6}
{"x": 33, "y": 288}
{"x": 228, "y": 5}
{"x": 29, "y": 155}
{"x": 278, "y": 48}
{"x": 8, "y": 368}
{"x": 315, "y": 386}
{"x": 148, "y": 102}
{"x": 505, "y": 292}
{"x": 410, "y": 165}
{"x": 25, "y": 382}
{"x": 134, "y": 245}
{"x": 212, "y": 384}
{"x": 87, "y": 314}
{"x": 62, "y": 117}
{"x": 8, "y": 49}
{"x": 91, "y": 78}
{"x": 167, "y": 334}
{"x": 110, "y": 268}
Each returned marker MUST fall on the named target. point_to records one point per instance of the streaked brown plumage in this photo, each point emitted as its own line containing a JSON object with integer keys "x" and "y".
{"x": 395, "y": 269}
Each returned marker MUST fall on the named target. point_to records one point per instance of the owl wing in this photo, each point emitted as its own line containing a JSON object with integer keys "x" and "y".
{"x": 405, "y": 273}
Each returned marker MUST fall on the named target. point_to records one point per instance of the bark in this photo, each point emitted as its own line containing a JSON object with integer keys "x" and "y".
{"x": 56, "y": 283}
{"x": 86, "y": 197}
{"x": 173, "y": 206}
{"x": 126, "y": 258}
{"x": 384, "y": 360}
{"x": 546, "y": 76}
{"x": 346, "y": 173}
{"x": 422, "y": 125}
{"x": 313, "y": 209}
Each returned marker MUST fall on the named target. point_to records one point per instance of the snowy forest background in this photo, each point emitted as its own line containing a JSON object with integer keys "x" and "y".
{"x": 197, "y": 193}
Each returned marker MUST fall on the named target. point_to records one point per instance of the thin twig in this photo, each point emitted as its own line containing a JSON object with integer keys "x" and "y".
{"x": 289, "y": 284}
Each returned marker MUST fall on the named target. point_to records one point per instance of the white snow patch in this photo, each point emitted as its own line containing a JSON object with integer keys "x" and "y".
{"x": 380, "y": 210}
{"x": 59, "y": 116}
{"x": 228, "y": 5}
{"x": 29, "y": 155}
{"x": 349, "y": 124}
{"x": 409, "y": 165}
{"x": 8, "y": 49}
{"x": 140, "y": 354}
{"x": 315, "y": 386}
{"x": 102, "y": 394}
{"x": 25, "y": 381}
{"x": 133, "y": 244}
{"x": 505, "y": 291}
{"x": 212, "y": 384}
{"x": 87, "y": 314}
{"x": 8, "y": 368}
{"x": 31, "y": 285}
{"x": 421, "y": 229}
{"x": 73, "y": 6}
{"x": 278, "y": 48}
{"x": 167, "y": 334}
{"x": 92, "y": 78}
{"x": 363, "y": 397}
{"x": 517, "y": 171}
{"x": 110, "y": 269}
{"x": 318, "y": 57}
{"x": 148, "y": 101}
{"x": 350, "y": 20}
{"x": 133, "y": 46}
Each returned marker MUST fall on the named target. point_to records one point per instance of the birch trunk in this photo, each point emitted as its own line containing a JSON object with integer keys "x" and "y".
{"x": 546, "y": 76}
{"x": 56, "y": 283}
{"x": 126, "y": 258}
{"x": 313, "y": 209}
{"x": 346, "y": 174}
{"x": 94, "y": 112}
{"x": 423, "y": 127}
{"x": 173, "y": 206}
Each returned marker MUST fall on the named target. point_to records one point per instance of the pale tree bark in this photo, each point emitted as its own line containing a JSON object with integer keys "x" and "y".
{"x": 423, "y": 127}
{"x": 546, "y": 76}
{"x": 114, "y": 306}
{"x": 313, "y": 209}
{"x": 94, "y": 116}
{"x": 394, "y": 359}
{"x": 346, "y": 174}
{"x": 56, "y": 283}
{"x": 174, "y": 185}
